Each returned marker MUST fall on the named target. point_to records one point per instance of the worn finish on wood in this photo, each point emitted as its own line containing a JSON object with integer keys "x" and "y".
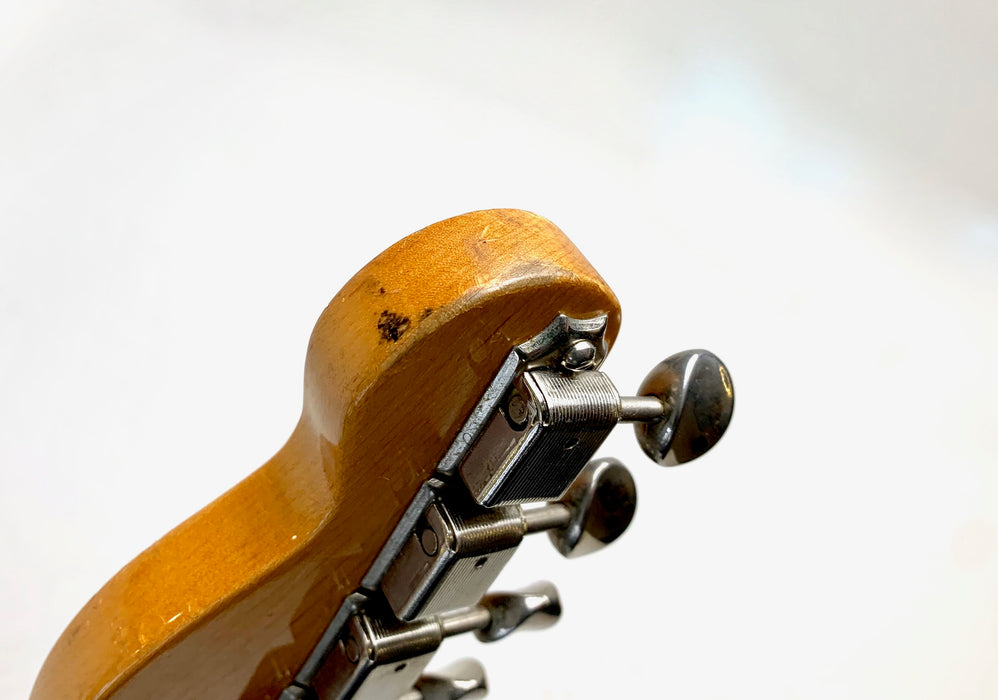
{"x": 229, "y": 604}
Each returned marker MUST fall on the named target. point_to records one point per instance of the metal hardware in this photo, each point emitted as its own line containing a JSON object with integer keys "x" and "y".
{"x": 581, "y": 355}
{"x": 695, "y": 400}
{"x": 451, "y": 558}
{"x": 462, "y": 680}
{"x": 303, "y": 679}
{"x": 558, "y": 343}
{"x": 528, "y": 439}
{"x": 601, "y": 503}
{"x": 356, "y": 600}
{"x": 376, "y": 659}
{"x": 536, "y": 607}
{"x": 550, "y": 516}
{"x": 552, "y": 423}
{"x": 480, "y": 414}
{"x": 539, "y": 441}
{"x": 379, "y": 657}
{"x": 457, "y": 549}
{"x": 549, "y": 348}
{"x": 553, "y": 347}
{"x": 400, "y": 534}
{"x": 297, "y": 692}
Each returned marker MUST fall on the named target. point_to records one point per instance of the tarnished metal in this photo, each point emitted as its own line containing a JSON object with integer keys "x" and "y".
{"x": 697, "y": 399}
{"x": 457, "y": 550}
{"x": 379, "y": 657}
{"x": 600, "y": 503}
{"x": 558, "y": 345}
{"x": 400, "y": 534}
{"x": 324, "y": 648}
{"x": 548, "y": 349}
{"x": 547, "y": 517}
{"x": 536, "y": 607}
{"x": 462, "y": 680}
{"x": 451, "y": 558}
{"x": 376, "y": 658}
{"x": 481, "y": 413}
{"x": 538, "y": 443}
{"x": 528, "y": 439}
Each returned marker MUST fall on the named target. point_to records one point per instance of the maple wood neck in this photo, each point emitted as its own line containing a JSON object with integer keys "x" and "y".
{"x": 230, "y": 602}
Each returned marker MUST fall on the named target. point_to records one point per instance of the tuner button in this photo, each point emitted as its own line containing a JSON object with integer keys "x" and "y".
{"x": 461, "y": 680}
{"x": 535, "y": 607}
{"x": 601, "y": 503}
{"x": 697, "y": 398}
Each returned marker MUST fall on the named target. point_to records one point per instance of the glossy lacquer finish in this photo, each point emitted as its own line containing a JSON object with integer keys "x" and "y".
{"x": 229, "y": 603}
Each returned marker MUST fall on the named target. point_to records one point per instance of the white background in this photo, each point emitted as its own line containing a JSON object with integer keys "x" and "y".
{"x": 810, "y": 189}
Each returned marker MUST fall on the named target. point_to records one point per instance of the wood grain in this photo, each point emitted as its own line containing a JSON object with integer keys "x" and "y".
{"x": 229, "y": 603}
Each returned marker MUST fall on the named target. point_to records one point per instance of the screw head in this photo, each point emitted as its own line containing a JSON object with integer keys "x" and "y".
{"x": 428, "y": 541}
{"x": 580, "y": 355}
{"x": 351, "y": 649}
{"x": 517, "y": 409}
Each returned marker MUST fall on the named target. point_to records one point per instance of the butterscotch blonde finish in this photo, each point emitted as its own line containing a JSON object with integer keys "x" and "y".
{"x": 230, "y": 603}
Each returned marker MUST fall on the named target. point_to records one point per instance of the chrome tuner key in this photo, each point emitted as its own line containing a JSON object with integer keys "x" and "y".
{"x": 596, "y": 509}
{"x": 461, "y": 680}
{"x": 536, "y": 607}
{"x": 600, "y": 505}
{"x": 684, "y": 407}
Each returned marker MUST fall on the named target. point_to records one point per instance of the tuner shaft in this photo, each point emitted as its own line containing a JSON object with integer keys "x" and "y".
{"x": 640, "y": 409}
{"x": 550, "y": 516}
{"x": 461, "y": 621}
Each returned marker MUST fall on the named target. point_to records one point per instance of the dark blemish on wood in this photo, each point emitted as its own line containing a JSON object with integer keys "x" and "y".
{"x": 381, "y": 291}
{"x": 392, "y": 326}
{"x": 426, "y": 313}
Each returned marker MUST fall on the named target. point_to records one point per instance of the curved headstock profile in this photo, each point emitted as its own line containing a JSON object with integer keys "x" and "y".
{"x": 231, "y": 602}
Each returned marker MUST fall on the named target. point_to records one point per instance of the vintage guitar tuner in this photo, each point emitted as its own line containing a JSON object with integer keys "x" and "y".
{"x": 453, "y": 405}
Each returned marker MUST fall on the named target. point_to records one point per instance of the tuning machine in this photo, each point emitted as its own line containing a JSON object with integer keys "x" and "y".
{"x": 554, "y": 419}
{"x": 458, "y": 547}
{"x": 379, "y": 657}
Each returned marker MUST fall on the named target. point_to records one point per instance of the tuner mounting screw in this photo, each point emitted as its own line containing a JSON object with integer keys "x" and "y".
{"x": 428, "y": 541}
{"x": 516, "y": 409}
{"x": 581, "y": 355}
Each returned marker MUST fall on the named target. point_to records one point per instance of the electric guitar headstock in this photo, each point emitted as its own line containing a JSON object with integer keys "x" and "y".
{"x": 453, "y": 405}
